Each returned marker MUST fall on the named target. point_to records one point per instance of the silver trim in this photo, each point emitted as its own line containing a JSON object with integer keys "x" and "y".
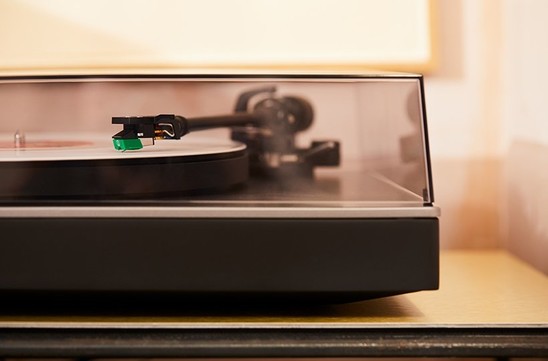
{"x": 216, "y": 212}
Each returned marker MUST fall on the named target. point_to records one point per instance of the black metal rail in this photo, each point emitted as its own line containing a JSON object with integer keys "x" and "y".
{"x": 333, "y": 342}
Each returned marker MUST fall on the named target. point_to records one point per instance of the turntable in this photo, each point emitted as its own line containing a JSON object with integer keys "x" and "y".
{"x": 265, "y": 187}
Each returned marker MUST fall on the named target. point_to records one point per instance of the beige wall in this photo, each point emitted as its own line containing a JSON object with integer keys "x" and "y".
{"x": 249, "y": 33}
{"x": 525, "y": 111}
{"x": 489, "y": 126}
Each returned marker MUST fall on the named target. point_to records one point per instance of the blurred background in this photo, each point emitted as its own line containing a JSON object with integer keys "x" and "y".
{"x": 484, "y": 64}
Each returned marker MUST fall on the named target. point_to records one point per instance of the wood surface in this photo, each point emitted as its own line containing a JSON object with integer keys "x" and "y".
{"x": 490, "y": 289}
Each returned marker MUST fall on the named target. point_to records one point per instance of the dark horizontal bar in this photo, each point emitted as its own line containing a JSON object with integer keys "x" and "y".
{"x": 407, "y": 342}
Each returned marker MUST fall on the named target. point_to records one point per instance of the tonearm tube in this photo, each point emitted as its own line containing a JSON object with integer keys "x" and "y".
{"x": 268, "y": 128}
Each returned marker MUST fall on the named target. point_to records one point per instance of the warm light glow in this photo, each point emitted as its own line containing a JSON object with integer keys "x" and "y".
{"x": 169, "y": 33}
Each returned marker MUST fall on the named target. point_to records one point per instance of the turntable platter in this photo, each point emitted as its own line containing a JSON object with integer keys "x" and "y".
{"x": 84, "y": 166}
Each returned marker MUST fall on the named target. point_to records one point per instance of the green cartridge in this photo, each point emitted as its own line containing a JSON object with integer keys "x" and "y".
{"x": 127, "y": 144}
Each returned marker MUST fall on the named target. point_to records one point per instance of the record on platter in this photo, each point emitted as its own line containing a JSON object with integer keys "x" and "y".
{"x": 50, "y": 165}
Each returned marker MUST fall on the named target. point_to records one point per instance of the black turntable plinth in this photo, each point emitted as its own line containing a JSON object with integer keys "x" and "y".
{"x": 324, "y": 259}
